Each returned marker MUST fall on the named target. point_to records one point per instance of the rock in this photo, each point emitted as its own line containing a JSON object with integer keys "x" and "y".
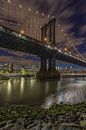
{"x": 38, "y": 127}
{"x": 31, "y": 126}
{"x": 2, "y": 124}
{"x": 83, "y": 123}
{"x": 36, "y": 122}
{"x": 8, "y": 126}
{"x": 26, "y": 116}
{"x": 49, "y": 126}
{"x": 21, "y": 121}
{"x": 16, "y": 126}
{"x": 9, "y": 121}
{"x": 45, "y": 127}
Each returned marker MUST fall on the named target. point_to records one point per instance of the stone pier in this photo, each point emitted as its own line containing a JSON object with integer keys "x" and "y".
{"x": 48, "y": 68}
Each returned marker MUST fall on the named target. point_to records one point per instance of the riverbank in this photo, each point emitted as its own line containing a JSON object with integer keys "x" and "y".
{"x": 16, "y": 117}
{"x": 7, "y": 76}
{"x": 3, "y": 79}
{"x": 72, "y": 75}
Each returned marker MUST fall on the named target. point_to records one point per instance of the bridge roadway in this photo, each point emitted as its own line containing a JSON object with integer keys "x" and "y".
{"x": 18, "y": 42}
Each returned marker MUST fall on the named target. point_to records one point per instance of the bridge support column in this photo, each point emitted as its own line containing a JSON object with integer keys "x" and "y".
{"x": 51, "y": 64}
{"x": 48, "y": 69}
{"x": 43, "y": 65}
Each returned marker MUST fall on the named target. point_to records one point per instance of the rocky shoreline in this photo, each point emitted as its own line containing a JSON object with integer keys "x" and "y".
{"x": 23, "y": 117}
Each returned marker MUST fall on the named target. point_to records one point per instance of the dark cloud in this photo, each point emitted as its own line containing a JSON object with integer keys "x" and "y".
{"x": 67, "y": 12}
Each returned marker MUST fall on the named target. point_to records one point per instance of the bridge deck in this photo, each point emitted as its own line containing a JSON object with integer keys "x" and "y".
{"x": 18, "y": 42}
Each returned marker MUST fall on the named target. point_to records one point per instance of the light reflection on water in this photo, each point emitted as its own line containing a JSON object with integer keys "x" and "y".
{"x": 72, "y": 91}
{"x": 9, "y": 88}
{"x": 22, "y": 86}
{"x": 33, "y": 91}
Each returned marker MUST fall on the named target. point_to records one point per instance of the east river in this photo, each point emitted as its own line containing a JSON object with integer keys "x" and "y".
{"x": 42, "y": 92}
{"x": 30, "y": 91}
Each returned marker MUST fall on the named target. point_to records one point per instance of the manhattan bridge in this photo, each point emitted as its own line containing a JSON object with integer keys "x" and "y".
{"x": 25, "y": 23}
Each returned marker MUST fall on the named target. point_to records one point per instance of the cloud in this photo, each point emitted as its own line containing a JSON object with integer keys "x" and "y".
{"x": 8, "y": 59}
{"x": 17, "y": 57}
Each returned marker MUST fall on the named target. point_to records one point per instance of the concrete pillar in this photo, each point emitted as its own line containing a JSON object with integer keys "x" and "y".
{"x": 51, "y": 64}
{"x": 43, "y": 64}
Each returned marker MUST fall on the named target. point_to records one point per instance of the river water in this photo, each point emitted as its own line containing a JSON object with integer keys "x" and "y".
{"x": 35, "y": 92}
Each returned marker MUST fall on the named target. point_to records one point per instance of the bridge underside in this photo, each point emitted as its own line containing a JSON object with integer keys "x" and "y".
{"x": 35, "y": 47}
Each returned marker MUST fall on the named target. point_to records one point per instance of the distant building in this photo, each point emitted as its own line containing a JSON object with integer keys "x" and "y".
{"x": 11, "y": 67}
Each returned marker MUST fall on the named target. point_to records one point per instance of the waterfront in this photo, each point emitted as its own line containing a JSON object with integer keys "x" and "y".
{"x": 35, "y": 92}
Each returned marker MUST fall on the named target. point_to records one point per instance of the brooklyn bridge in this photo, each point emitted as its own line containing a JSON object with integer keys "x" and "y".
{"x": 34, "y": 32}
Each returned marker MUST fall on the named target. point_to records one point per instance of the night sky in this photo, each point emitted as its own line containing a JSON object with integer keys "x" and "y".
{"x": 70, "y": 13}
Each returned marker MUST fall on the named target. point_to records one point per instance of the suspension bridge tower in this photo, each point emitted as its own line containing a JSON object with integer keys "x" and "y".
{"x": 48, "y": 65}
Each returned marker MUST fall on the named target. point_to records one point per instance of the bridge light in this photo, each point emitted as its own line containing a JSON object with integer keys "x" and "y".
{"x": 59, "y": 50}
{"x": 58, "y": 25}
{"x": 2, "y": 21}
{"x": 20, "y": 35}
{"x": 20, "y": 6}
{"x": 45, "y": 39}
{"x": 10, "y": 22}
{"x": 48, "y": 15}
{"x": 29, "y": 9}
{"x": 55, "y": 48}
{"x": 37, "y": 12}
{"x": 19, "y": 24}
{"x": 31, "y": 26}
{"x": 65, "y": 49}
{"x": 22, "y": 32}
{"x": 70, "y": 53}
{"x": 48, "y": 46}
{"x": 9, "y": 1}
{"x": 62, "y": 30}
{"x": 40, "y": 26}
{"x": 68, "y": 38}
{"x": 65, "y": 34}
{"x": 53, "y": 17}
{"x": 42, "y": 14}
{"x": 70, "y": 41}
